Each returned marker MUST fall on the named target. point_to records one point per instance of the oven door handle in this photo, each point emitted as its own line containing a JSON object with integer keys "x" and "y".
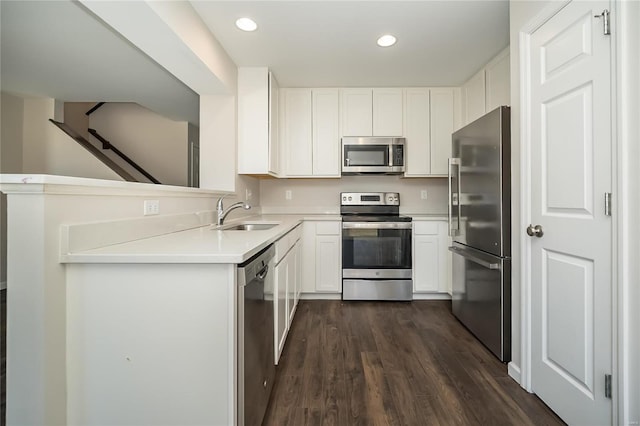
{"x": 376, "y": 225}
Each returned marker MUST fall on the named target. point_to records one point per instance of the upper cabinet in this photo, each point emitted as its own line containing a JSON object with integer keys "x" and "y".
{"x": 326, "y": 132}
{"x": 257, "y": 122}
{"x": 372, "y": 112}
{"x": 310, "y": 132}
{"x": 497, "y": 81}
{"x": 474, "y": 97}
{"x": 387, "y": 112}
{"x": 429, "y": 120}
{"x": 296, "y": 137}
{"x": 488, "y": 89}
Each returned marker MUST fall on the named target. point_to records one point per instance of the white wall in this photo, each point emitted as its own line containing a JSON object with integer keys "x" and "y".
{"x": 11, "y": 123}
{"x": 159, "y": 145}
{"x": 322, "y": 195}
{"x": 48, "y": 150}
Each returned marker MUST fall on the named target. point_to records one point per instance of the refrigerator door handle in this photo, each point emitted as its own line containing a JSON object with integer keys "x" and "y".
{"x": 454, "y": 231}
{"x": 475, "y": 259}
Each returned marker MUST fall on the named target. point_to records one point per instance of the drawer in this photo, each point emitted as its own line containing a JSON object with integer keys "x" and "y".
{"x": 328, "y": 228}
{"x": 425, "y": 227}
{"x": 284, "y": 244}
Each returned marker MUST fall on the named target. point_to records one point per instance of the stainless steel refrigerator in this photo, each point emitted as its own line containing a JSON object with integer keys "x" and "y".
{"x": 480, "y": 226}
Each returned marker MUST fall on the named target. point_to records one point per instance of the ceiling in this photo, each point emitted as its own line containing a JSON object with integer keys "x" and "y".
{"x": 333, "y": 43}
{"x": 60, "y": 50}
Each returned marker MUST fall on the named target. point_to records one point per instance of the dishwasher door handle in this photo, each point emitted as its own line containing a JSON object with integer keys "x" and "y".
{"x": 263, "y": 273}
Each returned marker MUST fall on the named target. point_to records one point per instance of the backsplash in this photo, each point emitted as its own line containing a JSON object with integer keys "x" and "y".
{"x": 319, "y": 196}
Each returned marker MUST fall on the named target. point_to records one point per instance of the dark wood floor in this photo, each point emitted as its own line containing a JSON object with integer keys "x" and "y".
{"x": 379, "y": 363}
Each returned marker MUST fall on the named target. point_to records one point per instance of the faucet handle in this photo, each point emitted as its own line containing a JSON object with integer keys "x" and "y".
{"x": 219, "y": 203}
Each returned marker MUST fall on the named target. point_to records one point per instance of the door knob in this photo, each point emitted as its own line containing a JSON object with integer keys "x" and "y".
{"x": 535, "y": 231}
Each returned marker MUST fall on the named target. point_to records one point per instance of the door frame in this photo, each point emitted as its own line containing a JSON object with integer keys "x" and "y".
{"x": 624, "y": 186}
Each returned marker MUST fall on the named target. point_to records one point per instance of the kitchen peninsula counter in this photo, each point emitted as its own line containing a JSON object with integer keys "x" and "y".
{"x": 204, "y": 244}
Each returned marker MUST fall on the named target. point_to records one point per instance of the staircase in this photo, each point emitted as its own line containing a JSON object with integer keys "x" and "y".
{"x": 128, "y": 175}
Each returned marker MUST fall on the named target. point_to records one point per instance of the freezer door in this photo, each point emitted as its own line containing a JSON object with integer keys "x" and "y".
{"x": 482, "y": 192}
{"x": 481, "y": 297}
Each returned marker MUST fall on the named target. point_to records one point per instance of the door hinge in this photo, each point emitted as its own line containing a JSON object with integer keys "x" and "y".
{"x": 607, "y": 386}
{"x": 605, "y": 21}
{"x": 607, "y": 204}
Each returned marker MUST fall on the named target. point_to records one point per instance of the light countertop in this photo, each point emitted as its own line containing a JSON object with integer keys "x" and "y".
{"x": 205, "y": 244}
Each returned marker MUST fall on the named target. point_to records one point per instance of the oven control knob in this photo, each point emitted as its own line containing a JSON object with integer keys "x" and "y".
{"x": 349, "y": 198}
{"x": 344, "y": 198}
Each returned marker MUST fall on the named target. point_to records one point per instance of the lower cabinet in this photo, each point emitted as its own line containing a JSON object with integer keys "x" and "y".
{"x": 287, "y": 284}
{"x": 322, "y": 257}
{"x": 431, "y": 258}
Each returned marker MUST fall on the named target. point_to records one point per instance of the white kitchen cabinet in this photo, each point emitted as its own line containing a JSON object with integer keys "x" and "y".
{"x": 287, "y": 281}
{"x": 431, "y": 257}
{"x": 357, "y": 112}
{"x": 310, "y": 132}
{"x": 417, "y": 132}
{"x": 473, "y": 93}
{"x": 326, "y": 132}
{"x": 498, "y": 81}
{"x": 258, "y": 152}
{"x": 442, "y": 126}
{"x": 293, "y": 294}
{"x": 387, "y": 112}
{"x": 372, "y": 112}
{"x": 274, "y": 125}
{"x": 280, "y": 313}
{"x": 428, "y": 125}
{"x": 296, "y": 132}
{"x": 322, "y": 257}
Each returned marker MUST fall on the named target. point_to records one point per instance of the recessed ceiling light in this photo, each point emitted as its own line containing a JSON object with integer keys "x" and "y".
{"x": 386, "y": 40}
{"x": 246, "y": 24}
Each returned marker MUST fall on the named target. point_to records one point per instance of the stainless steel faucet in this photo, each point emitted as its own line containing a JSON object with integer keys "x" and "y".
{"x": 222, "y": 212}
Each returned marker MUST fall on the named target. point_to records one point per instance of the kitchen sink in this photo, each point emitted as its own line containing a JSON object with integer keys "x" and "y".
{"x": 249, "y": 227}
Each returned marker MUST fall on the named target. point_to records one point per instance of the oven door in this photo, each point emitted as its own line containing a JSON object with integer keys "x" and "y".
{"x": 376, "y": 250}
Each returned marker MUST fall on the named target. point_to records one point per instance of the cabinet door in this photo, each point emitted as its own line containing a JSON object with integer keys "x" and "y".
{"x": 308, "y": 281}
{"x": 417, "y": 132}
{"x": 274, "y": 141}
{"x": 445, "y": 256}
{"x": 326, "y": 132}
{"x": 328, "y": 264}
{"x": 280, "y": 312}
{"x": 387, "y": 112}
{"x": 292, "y": 283}
{"x": 426, "y": 252}
{"x": 473, "y": 92}
{"x": 297, "y": 131}
{"x": 253, "y": 120}
{"x": 498, "y": 81}
{"x": 357, "y": 108}
{"x": 442, "y": 125}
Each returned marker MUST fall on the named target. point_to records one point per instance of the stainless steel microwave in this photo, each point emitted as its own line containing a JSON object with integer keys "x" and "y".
{"x": 362, "y": 155}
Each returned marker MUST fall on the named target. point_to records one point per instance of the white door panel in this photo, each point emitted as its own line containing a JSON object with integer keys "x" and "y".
{"x": 570, "y": 173}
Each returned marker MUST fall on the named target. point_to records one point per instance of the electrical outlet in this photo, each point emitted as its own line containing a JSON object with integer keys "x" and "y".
{"x": 151, "y": 207}
{"x": 423, "y": 194}
{"x": 248, "y": 194}
{"x": 287, "y": 194}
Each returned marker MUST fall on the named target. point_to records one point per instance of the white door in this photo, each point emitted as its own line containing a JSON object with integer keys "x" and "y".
{"x": 570, "y": 173}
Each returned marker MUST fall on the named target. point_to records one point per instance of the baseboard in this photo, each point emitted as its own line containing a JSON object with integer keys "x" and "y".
{"x": 3, "y": 285}
{"x": 321, "y": 296}
{"x": 514, "y": 372}
{"x": 431, "y": 296}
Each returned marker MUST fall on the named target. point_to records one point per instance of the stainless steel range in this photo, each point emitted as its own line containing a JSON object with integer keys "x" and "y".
{"x": 376, "y": 247}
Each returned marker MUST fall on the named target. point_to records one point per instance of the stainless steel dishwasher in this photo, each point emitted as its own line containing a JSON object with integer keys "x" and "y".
{"x": 256, "y": 367}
